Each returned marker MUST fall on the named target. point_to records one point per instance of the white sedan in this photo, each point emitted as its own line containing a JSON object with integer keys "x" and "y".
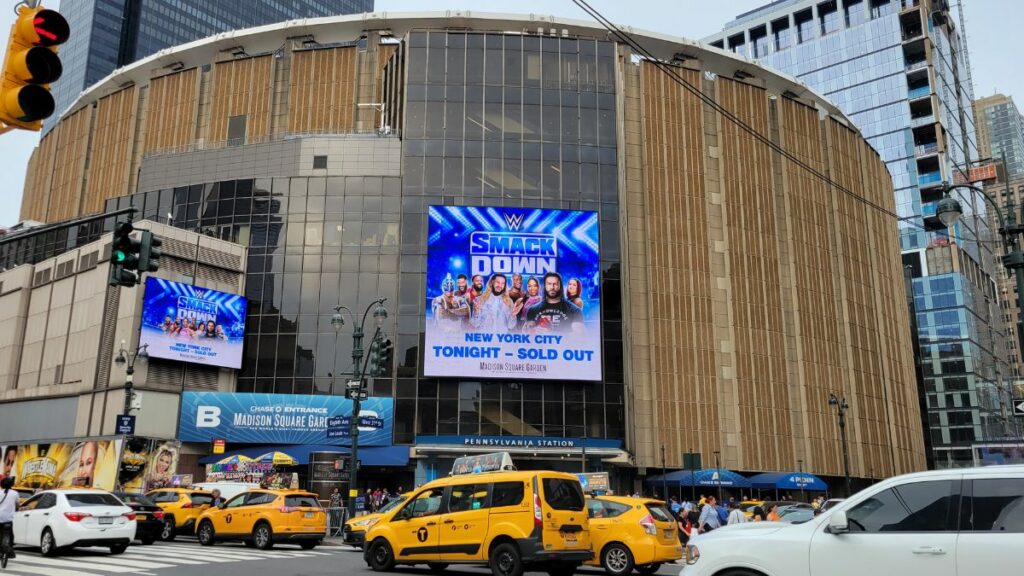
{"x": 961, "y": 522}
{"x": 55, "y": 519}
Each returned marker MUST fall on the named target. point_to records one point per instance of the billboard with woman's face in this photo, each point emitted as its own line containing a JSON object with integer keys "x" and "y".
{"x": 163, "y": 464}
{"x": 83, "y": 464}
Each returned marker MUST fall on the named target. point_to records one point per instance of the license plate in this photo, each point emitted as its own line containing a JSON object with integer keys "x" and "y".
{"x": 141, "y": 515}
{"x": 570, "y": 539}
{"x": 309, "y": 514}
{"x": 108, "y": 520}
{"x": 670, "y": 533}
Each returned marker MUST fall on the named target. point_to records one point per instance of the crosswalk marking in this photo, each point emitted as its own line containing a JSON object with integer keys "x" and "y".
{"x": 143, "y": 560}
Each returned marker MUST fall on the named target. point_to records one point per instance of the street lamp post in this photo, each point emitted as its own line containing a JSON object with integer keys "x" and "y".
{"x": 949, "y": 211}
{"x": 125, "y": 357}
{"x": 841, "y": 408}
{"x": 800, "y": 478}
{"x": 718, "y": 474}
{"x": 380, "y": 314}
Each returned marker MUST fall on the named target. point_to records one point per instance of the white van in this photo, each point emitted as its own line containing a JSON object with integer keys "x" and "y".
{"x": 227, "y": 489}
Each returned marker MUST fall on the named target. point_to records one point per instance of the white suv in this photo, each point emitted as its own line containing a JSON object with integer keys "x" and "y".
{"x": 940, "y": 523}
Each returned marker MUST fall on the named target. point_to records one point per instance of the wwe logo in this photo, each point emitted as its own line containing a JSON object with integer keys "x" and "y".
{"x": 514, "y": 221}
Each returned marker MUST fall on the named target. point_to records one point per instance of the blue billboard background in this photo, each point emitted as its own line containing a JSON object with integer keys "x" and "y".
{"x": 280, "y": 418}
{"x": 522, "y": 332}
{"x": 176, "y": 323}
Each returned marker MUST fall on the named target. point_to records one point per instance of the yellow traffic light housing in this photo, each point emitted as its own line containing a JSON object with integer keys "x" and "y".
{"x": 30, "y": 66}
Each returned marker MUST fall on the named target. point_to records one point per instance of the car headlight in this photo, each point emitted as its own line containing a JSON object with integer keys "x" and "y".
{"x": 366, "y": 523}
{"x": 692, "y": 554}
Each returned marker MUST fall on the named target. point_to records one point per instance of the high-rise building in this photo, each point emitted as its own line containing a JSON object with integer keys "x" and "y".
{"x": 899, "y": 69}
{"x": 1001, "y": 132}
{"x": 108, "y": 34}
{"x": 1001, "y": 138}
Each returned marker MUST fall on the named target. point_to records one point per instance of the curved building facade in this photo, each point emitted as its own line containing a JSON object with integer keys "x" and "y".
{"x": 736, "y": 290}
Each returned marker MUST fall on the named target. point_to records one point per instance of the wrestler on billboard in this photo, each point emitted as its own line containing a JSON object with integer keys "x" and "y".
{"x": 554, "y": 313}
{"x": 88, "y": 453}
{"x": 574, "y": 292}
{"x": 462, "y": 286}
{"x": 515, "y": 292}
{"x": 10, "y": 456}
{"x": 495, "y": 311}
{"x": 450, "y": 309}
{"x": 161, "y": 468}
{"x": 532, "y": 297}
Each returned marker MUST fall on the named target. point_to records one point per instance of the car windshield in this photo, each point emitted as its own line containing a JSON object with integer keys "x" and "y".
{"x": 391, "y": 505}
{"x": 93, "y": 500}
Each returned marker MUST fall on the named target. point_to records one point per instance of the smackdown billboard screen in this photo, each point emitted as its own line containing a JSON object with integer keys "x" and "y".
{"x": 513, "y": 293}
{"x": 192, "y": 324}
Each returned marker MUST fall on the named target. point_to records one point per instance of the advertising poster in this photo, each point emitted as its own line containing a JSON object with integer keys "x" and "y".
{"x": 192, "y": 324}
{"x": 84, "y": 464}
{"x": 163, "y": 464}
{"x": 280, "y": 418}
{"x": 513, "y": 293}
{"x": 134, "y": 459}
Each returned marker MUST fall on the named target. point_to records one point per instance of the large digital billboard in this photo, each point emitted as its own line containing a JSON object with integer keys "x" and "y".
{"x": 192, "y": 324}
{"x": 513, "y": 293}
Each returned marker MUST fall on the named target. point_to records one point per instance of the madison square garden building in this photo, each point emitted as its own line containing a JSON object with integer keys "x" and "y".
{"x": 706, "y": 293}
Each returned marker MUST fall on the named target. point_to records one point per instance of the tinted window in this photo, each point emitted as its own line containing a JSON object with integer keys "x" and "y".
{"x": 917, "y": 507}
{"x": 301, "y": 500}
{"x": 997, "y": 505}
{"x": 613, "y": 509}
{"x": 165, "y": 497}
{"x": 136, "y": 499}
{"x": 236, "y": 501}
{"x": 258, "y": 498}
{"x": 92, "y": 500}
{"x": 507, "y": 494}
{"x": 200, "y": 499}
{"x": 660, "y": 513}
{"x": 468, "y": 497}
{"x": 563, "y": 494}
{"x": 595, "y": 509}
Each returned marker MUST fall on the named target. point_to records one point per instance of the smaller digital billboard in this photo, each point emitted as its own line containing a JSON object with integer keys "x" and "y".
{"x": 192, "y": 324}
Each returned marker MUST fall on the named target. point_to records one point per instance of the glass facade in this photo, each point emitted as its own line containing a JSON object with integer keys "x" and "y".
{"x": 1004, "y": 131}
{"x": 107, "y": 34}
{"x": 869, "y": 58}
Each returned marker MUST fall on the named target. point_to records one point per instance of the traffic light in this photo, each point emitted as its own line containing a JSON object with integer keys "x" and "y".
{"x": 124, "y": 256}
{"x": 149, "y": 252}
{"x": 383, "y": 360}
{"x": 30, "y": 66}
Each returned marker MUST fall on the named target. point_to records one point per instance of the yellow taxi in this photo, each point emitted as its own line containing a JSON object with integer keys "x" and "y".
{"x": 747, "y": 506}
{"x": 354, "y": 531}
{"x": 511, "y": 521}
{"x": 630, "y": 533}
{"x": 262, "y": 518}
{"x": 181, "y": 507}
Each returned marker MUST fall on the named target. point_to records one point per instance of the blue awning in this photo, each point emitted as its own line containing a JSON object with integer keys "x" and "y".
{"x": 788, "y": 481}
{"x": 706, "y": 477}
{"x": 368, "y": 456}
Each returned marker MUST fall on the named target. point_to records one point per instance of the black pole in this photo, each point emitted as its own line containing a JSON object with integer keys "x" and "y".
{"x": 846, "y": 452}
{"x": 664, "y": 481}
{"x": 800, "y": 466}
{"x": 718, "y": 473}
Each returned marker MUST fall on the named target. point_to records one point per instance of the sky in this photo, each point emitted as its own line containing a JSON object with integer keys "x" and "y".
{"x": 991, "y": 27}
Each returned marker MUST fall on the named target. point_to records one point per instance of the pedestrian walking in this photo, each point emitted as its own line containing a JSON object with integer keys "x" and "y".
{"x": 736, "y": 517}
{"x": 709, "y": 519}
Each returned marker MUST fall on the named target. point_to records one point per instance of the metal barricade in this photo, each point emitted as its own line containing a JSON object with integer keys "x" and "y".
{"x": 336, "y": 518}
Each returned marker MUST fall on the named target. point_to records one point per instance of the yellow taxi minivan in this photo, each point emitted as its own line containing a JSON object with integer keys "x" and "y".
{"x": 511, "y": 521}
{"x": 181, "y": 507}
{"x": 262, "y": 518}
{"x": 629, "y": 533}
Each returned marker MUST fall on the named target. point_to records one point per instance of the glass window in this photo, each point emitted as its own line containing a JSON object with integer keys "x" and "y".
{"x": 997, "y": 505}
{"x": 468, "y": 497}
{"x": 563, "y": 494}
{"x": 426, "y": 503}
{"x": 83, "y": 499}
{"x": 237, "y": 501}
{"x": 507, "y": 494}
{"x": 236, "y": 130}
{"x": 916, "y": 507}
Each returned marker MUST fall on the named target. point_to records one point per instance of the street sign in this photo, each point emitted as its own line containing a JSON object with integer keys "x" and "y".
{"x": 126, "y": 424}
{"x": 351, "y": 394}
{"x": 353, "y": 384}
{"x": 218, "y": 446}
{"x": 1018, "y": 407}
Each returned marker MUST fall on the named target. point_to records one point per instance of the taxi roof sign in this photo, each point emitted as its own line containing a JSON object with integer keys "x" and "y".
{"x": 493, "y": 462}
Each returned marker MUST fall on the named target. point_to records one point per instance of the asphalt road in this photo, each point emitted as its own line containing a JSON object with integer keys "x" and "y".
{"x": 187, "y": 558}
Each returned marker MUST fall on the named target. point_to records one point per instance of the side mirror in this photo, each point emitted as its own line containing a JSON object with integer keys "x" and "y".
{"x": 837, "y": 523}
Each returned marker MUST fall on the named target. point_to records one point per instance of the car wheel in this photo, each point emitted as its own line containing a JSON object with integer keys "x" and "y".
{"x": 263, "y": 536}
{"x": 648, "y": 568}
{"x": 167, "y": 533}
{"x": 308, "y": 545}
{"x": 205, "y": 534}
{"x": 382, "y": 558}
{"x": 437, "y": 567}
{"x": 616, "y": 559}
{"x": 47, "y": 545}
{"x": 118, "y": 548}
{"x": 505, "y": 560}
